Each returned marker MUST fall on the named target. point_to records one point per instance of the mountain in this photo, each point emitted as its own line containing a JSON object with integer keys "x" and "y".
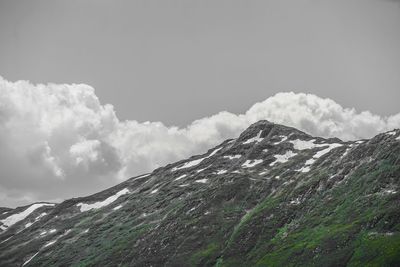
{"x": 274, "y": 196}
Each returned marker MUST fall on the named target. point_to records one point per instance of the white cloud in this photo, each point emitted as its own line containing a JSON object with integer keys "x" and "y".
{"x": 59, "y": 141}
{"x": 84, "y": 151}
{"x": 321, "y": 117}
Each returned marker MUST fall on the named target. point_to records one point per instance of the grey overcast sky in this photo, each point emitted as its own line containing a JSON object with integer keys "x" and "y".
{"x": 166, "y": 63}
{"x": 176, "y": 61}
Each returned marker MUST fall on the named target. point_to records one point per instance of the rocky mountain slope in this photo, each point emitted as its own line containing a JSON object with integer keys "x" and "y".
{"x": 275, "y": 196}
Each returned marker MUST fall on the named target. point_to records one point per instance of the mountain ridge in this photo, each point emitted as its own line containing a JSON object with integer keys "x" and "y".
{"x": 253, "y": 200}
{"x": 249, "y": 129}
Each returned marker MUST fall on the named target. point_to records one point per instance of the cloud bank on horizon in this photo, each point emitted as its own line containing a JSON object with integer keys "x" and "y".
{"x": 59, "y": 141}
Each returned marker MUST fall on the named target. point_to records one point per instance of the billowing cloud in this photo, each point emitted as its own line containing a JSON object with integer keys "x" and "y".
{"x": 59, "y": 141}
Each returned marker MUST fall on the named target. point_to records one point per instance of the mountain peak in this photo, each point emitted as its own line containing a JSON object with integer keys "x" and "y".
{"x": 267, "y": 129}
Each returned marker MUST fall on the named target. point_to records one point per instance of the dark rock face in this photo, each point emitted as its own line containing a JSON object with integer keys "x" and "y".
{"x": 274, "y": 196}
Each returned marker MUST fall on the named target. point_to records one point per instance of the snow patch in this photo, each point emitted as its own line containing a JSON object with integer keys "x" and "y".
{"x": 302, "y": 145}
{"x": 57, "y": 238}
{"x": 50, "y": 243}
{"x": 13, "y": 219}
{"x": 251, "y": 163}
{"x": 180, "y": 177}
{"x": 196, "y": 161}
{"x": 283, "y": 139}
{"x": 346, "y": 152}
{"x": 326, "y": 150}
{"x": 390, "y": 191}
{"x": 200, "y": 170}
{"x": 283, "y": 158}
{"x": 376, "y": 233}
{"x": 221, "y": 172}
{"x": 202, "y": 181}
{"x": 117, "y": 207}
{"x": 100, "y": 204}
{"x": 387, "y": 191}
{"x": 36, "y": 219}
{"x": 43, "y": 233}
{"x": 143, "y": 215}
{"x": 254, "y": 139}
{"x": 214, "y": 152}
{"x": 192, "y": 209}
{"x": 189, "y": 164}
{"x": 141, "y": 176}
{"x": 306, "y": 167}
{"x": 295, "y": 201}
{"x": 154, "y": 191}
{"x": 232, "y": 157}
{"x": 51, "y": 231}
{"x": 5, "y": 240}
{"x": 25, "y": 263}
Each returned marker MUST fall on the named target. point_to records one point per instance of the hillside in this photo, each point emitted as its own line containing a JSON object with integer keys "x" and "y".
{"x": 274, "y": 196}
